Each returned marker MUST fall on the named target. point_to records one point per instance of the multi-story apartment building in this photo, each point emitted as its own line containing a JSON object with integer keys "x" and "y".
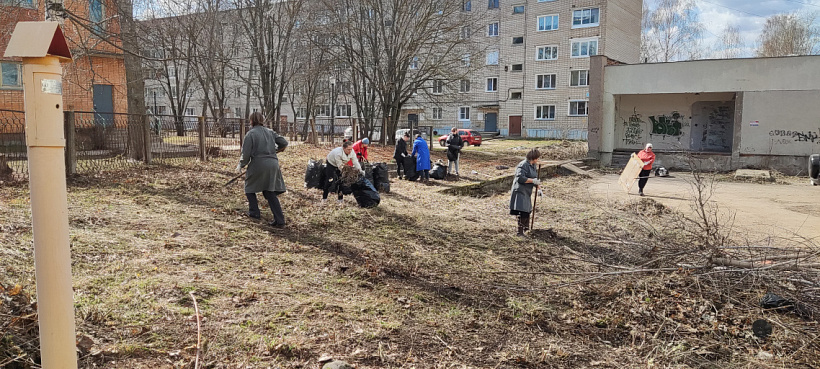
{"x": 95, "y": 80}
{"x": 530, "y": 80}
{"x": 534, "y": 82}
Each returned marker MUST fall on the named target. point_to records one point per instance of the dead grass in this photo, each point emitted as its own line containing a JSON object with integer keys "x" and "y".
{"x": 425, "y": 280}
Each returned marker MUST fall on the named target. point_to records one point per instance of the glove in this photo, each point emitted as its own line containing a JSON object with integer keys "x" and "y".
{"x": 361, "y": 171}
{"x": 536, "y": 181}
{"x": 239, "y": 168}
{"x": 645, "y": 163}
{"x": 540, "y": 193}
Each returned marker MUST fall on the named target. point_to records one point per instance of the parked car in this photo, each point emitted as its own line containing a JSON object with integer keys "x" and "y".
{"x": 377, "y": 134}
{"x": 470, "y": 137}
{"x": 400, "y": 132}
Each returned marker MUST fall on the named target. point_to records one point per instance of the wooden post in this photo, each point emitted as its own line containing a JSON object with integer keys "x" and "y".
{"x": 70, "y": 143}
{"x": 201, "y": 129}
{"x": 241, "y": 133}
{"x": 146, "y": 134}
{"x": 355, "y": 129}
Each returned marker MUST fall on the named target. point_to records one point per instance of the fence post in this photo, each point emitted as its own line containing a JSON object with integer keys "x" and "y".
{"x": 201, "y": 129}
{"x": 70, "y": 143}
{"x": 146, "y": 139}
{"x": 241, "y": 133}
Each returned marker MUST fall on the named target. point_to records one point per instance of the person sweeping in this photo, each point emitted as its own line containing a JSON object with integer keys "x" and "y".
{"x": 259, "y": 155}
{"x": 525, "y": 179}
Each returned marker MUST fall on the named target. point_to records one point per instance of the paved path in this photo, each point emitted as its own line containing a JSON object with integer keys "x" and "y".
{"x": 761, "y": 210}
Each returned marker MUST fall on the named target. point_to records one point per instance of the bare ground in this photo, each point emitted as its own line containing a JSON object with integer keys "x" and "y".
{"x": 425, "y": 280}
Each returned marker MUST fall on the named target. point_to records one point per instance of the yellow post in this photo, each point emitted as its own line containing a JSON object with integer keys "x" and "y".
{"x": 42, "y": 47}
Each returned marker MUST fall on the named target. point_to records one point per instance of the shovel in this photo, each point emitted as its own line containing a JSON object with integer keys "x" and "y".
{"x": 534, "y": 201}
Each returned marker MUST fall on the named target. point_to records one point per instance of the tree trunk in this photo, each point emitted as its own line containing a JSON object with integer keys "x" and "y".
{"x": 134, "y": 82}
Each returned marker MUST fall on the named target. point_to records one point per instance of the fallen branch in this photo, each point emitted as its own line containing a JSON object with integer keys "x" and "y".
{"x": 198, "y": 330}
{"x": 787, "y": 265}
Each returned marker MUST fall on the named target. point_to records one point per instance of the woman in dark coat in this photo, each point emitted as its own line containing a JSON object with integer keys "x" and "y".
{"x": 401, "y": 152}
{"x": 454, "y": 145}
{"x": 526, "y": 177}
{"x": 263, "y": 175}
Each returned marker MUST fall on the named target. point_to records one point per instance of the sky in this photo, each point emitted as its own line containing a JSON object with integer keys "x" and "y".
{"x": 748, "y": 15}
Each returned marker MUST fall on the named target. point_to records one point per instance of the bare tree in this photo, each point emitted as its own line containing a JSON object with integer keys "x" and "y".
{"x": 730, "y": 44}
{"x": 789, "y": 34}
{"x": 269, "y": 26}
{"x": 671, "y": 32}
{"x": 395, "y": 48}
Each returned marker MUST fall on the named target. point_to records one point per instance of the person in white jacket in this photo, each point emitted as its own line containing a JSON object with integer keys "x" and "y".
{"x": 336, "y": 159}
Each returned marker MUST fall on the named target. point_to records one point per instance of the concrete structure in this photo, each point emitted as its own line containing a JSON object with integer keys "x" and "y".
{"x": 534, "y": 82}
{"x": 95, "y": 81}
{"x": 737, "y": 113}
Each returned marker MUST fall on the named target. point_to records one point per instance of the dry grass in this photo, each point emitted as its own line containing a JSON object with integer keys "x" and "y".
{"x": 423, "y": 281}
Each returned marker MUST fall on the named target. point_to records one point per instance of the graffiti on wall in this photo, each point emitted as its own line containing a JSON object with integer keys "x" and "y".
{"x": 667, "y": 125}
{"x": 784, "y": 137}
{"x": 633, "y": 130}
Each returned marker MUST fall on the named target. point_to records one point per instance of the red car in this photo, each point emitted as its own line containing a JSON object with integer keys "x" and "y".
{"x": 470, "y": 137}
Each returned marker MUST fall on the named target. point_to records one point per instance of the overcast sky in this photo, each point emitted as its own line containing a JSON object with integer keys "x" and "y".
{"x": 748, "y": 15}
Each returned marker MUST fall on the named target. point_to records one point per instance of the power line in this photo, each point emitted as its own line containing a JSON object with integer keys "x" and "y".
{"x": 730, "y": 8}
{"x": 804, "y": 3}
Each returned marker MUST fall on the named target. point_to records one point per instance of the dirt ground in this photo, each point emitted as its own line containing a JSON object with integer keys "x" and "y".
{"x": 425, "y": 280}
{"x": 762, "y": 210}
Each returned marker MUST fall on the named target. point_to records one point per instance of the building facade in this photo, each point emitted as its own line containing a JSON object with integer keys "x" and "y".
{"x": 95, "y": 80}
{"x": 535, "y": 78}
{"x": 723, "y": 114}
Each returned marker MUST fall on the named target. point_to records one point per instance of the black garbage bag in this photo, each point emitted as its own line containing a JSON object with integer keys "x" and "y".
{"x": 814, "y": 166}
{"x": 772, "y": 301}
{"x": 365, "y": 194}
{"x": 381, "y": 177}
{"x": 410, "y": 168}
{"x": 438, "y": 172}
{"x": 313, "y": 174}
{"x": 368, "y": 171}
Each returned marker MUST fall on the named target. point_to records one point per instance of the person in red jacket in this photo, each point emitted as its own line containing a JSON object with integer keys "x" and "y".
{"x": 647, "y": 157}
{"x": 360, "y": 147}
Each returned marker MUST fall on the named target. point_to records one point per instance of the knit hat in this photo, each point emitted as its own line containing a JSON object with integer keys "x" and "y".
{"x": 366, "y": 141}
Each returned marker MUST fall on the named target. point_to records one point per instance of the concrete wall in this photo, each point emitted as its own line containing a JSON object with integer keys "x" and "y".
{"x": 668, "y": 121}
{"x": 746, "y": 113}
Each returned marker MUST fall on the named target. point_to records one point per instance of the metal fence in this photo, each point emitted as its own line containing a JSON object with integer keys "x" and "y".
{"x": 13, "y": 151}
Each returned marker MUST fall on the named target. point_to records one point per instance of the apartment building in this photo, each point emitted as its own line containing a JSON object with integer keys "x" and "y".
{"x": 534, "y": 82}
{"x": 95, "y": 80}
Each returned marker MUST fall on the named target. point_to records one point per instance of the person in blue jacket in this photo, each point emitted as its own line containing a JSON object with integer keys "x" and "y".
{"x": 422, "y": 154}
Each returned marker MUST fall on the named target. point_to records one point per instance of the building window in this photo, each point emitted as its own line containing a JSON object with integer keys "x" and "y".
{"x": 548, "y": 22}
{"x": 11, "y": 76}
{"x": 20, "y": 3}
{"x": 414, "y": 62}
{"x": 189, "y": 111}
{"x": 585, "y": 18}
{"x": 96, "y": 14}
{"x": 492, "y": 4}
{"x": 492, "y": 57}
{"x": 301, "y": 113}
{"x": 468, "y": 6}
{"x": 437, "y": 114}
{"x": 517, "y": 67}
{"x": 545, "y": 112}
{"x": 465, "y": 60}
{"x": 518, "y": 9}
{"x": 579, "y": 78}
{"x": 545, "y": 82}
{"x": 518, "y": 40}
{"x": 546, "y": 53}
{"x": 578, "y": 108}
{"x": 465, "y": 85}
{"x": 492, "y": 84}
{"x": 323, "y": 110}
{"x": 544, "y": 1}
{"x": 465, "y": 32}
{"x": 492, "y": 29}
{"x": 238, "y": 112}
{"x": 438, "y": 86}
{"x": 584, "y": 48}
{"x": 464, "y": 113}
{"x": 343, "y": 110}
{"x": 515, "y": 96}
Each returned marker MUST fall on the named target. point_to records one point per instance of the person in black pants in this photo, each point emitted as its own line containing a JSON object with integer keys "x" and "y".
{"x": 336, "y": 159}
{"x": 259, "y": 155}
{"x": 401, "y": 152}
{"x": 647, "y": 157}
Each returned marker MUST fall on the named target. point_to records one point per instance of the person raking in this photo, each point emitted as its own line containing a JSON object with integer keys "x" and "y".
{"x": 259, "y": 155}
{"x": 525, "y": 179}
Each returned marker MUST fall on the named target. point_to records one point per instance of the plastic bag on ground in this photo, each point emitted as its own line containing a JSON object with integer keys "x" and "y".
{"x": 365, "y": 194}
{"x": 438, "y": 172}
{"x": 410, "y": 168}
{"x": 313, "y": 174}
{"x": 381, "y": 177}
